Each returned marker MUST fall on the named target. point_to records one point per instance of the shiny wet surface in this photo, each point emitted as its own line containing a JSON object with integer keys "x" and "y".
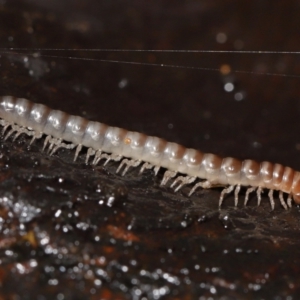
{"x": 71, "y": 231}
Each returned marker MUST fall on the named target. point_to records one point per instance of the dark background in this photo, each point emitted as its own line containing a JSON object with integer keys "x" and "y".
{"x": 70, "y": 231}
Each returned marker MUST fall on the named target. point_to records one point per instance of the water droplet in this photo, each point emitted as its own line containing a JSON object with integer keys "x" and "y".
{"x": 202, "y": 219}
{"x": 123, "y": 83}
{"x": 110, "y": 201}
{"x": 183, "y": 224}
{"x": 238, "y": 96}
{"x": 226, "y": 221}
{"x": 229, "y": 87}
{"x": 221, "y": 37}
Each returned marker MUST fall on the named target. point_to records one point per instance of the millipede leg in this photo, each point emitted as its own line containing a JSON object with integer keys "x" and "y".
{"x": 13, "y": 129}
{"x": 32, "y": 140}
{"x": 54, "y": 142}
{"x": 204, "y": 184}
{"x": 258, "y": 193}
{"x": 282, "y": 200}
{"x": 58, "y": 144}
{"x": 129, "y": 163}
{"x": 167, "y": 175}
{"x": 4, "y": 124}
{"x": 249, "y": 190}
{"x": 97, "y": 157}
{"x": 272, "y": 202}
{"x": 156, "y": 169}
{"x": 236, "y": 195}
{"x": 78, "y": 149}
{"x": 19, "y": 132}
{"x": 133, "y": 163}
{"x": 110, "y": 157}
{"x": 192, "y": 191}
{"x": 5, "y": 127}
{"x": 145, "y": 166}
{"x": 105, "y": 156}
{"x": 289, "y": 201}
{"x": 225, "y": 191}
{"x": 184, "y": 180}
{"x": 47, "y": 139}
{"x": 54, "y": 150}
{"x": 37, "y": 135}
{"x": 90, "y": 152}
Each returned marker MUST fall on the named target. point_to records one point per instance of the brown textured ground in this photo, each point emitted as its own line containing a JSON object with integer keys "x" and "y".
{"x": 70, "y": 231}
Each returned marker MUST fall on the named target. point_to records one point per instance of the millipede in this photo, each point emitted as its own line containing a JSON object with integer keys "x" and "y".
{"x": 132, "y": 149}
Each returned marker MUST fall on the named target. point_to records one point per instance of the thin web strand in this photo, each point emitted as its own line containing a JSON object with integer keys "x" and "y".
{"x": 35, "y": 55}
{"x": 154, "y": 50}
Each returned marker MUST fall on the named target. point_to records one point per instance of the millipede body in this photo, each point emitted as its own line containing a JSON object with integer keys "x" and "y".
{"x": 133, "y": 149}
